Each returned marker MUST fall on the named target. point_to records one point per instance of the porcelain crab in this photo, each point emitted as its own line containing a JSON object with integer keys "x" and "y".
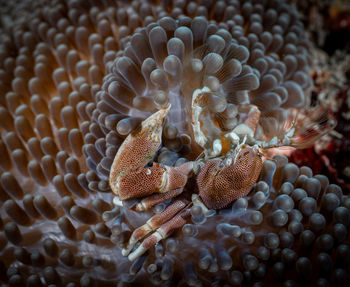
{"x": 220, "y": 180}
{"x": 231, "y": 165}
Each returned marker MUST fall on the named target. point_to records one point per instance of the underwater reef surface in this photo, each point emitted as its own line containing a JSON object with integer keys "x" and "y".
{"x": 327, "y": 22}
{"x": 77, "y": 77}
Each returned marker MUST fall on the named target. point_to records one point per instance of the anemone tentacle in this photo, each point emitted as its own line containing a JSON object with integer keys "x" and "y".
{"x": 77, "y": 77}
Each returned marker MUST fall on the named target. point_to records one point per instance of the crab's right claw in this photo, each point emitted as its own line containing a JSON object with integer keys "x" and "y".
{"x": 129, "y": 178}
{"x": 138, "y": 148}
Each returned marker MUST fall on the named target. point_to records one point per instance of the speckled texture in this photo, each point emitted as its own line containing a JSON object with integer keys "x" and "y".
{"x": 60, "y": 67}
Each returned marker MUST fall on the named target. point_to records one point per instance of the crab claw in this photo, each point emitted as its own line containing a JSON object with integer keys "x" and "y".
{"x": 220, "y": 182}
{"x": 155, "y": 179}
{"x": 138, "y": 148}
{"x": 129, "y": 178}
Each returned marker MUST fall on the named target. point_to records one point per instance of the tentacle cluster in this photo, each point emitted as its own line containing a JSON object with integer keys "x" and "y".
{"x": 291, "y": 229}
{"x": 226, "y": 65}
{"x": 77, "y": 77}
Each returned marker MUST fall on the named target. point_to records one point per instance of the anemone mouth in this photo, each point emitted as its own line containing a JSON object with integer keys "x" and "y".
{"x": 76, "y": 78}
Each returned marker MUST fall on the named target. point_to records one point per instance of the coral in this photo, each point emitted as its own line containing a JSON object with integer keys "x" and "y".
{"x": 77, "y": 77}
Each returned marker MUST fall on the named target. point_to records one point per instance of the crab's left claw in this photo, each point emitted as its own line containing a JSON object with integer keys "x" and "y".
{"x": 220, "y": 182}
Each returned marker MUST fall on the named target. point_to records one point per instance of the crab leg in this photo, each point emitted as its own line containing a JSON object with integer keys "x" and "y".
{"x": 153, "y": 223}
{"x": 161, "y": 233}
{"x": 156, "y": 198}
{"x": 128, "y": 177}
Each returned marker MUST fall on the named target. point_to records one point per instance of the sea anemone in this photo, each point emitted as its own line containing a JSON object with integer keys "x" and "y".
{"x": 77, "y": 77}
